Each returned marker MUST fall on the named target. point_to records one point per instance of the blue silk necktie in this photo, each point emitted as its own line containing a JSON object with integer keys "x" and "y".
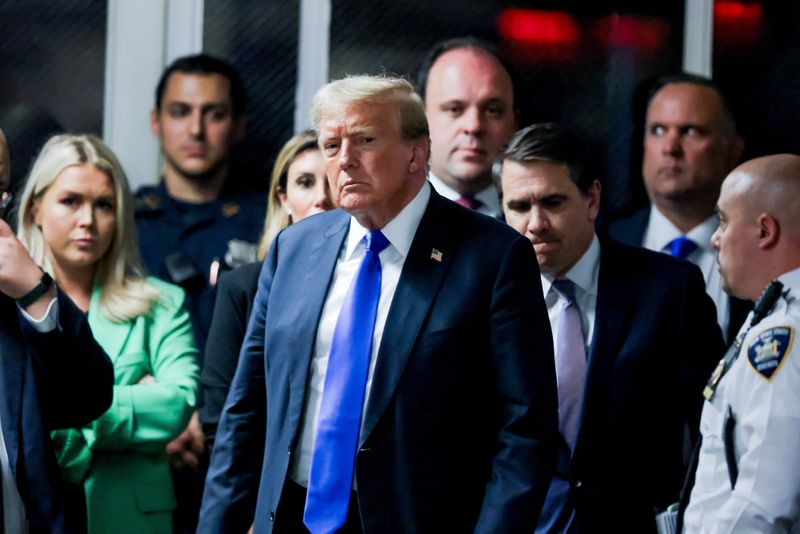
{"x": 333, "y": 457}
{"x": 681, "y": 247}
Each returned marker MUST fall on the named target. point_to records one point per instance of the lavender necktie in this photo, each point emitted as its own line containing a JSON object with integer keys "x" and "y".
{"x": 570, "y": 361}
{"x": 681, "y": 247}
{"x": 333, "y": 457}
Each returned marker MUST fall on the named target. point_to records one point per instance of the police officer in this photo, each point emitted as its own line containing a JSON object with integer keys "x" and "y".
{"x": 189, "y": 225}
{"x": 748, "y": 476}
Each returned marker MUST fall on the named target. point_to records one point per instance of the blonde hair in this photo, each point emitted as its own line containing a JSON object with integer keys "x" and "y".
{"x": 125, "y": 292}
{"x": 277, "y": 219}
{"x": 339, "y": 94}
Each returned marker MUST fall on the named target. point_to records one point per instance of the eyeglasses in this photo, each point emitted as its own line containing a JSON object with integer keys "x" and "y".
{"x": 6, "y": 198}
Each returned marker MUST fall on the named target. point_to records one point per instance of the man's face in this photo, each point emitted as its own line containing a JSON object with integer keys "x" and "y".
{"x": 687, "y": 151}
{"x": 469, "y": 102}
{"x": 373, "y": 173}
{"x": 195, "y": 125}
{"x": 541, "y": 202}
{"x": 736, "y": 240}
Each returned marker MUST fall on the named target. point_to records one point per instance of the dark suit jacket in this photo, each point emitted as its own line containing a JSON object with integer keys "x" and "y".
{"x": 629, "y": 230}
{"x": 60, "y": 379}
{"x": 655, "y": 344}
{"x": 235, "y": 293}
{"x": 459, "y": 430}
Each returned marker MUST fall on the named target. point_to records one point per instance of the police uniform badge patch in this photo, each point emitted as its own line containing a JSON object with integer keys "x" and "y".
{"x": 767, "y": 352}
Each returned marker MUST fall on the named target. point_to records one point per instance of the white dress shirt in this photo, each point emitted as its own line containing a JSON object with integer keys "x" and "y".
{"x": 584, "y": 275}
{"x": 13, "y": 508}
{"x": 762, "y": 391}
{"x": 400, "y": 233}
{"x": 490, "y": 200}
{"x": 660, "y": 231}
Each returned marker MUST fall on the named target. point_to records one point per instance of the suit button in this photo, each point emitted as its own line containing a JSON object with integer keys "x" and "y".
{"x": 272, "y": 515}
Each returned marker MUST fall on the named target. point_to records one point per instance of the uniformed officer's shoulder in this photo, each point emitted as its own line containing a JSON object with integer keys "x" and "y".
{"x": 769, "y": 344}
{"x": 148, "y": 199}
{"x": 252, "y": 206}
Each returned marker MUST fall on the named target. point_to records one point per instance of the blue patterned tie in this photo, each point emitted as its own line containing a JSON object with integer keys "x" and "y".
{"x": 681, "y": 247}
{"x": 333, "y": 458}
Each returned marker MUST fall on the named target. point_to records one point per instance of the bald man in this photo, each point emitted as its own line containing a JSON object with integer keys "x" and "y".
{"x": 748, "y": 475}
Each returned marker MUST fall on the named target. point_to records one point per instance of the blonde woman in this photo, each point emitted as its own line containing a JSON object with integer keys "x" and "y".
{"x": 298, "y": 189}
{"x": 76, "y": 219}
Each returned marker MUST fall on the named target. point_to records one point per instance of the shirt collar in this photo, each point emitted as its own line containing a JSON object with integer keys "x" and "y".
{"x": 488, "y": 196}
{"x": 584, "y": 273}
{"x": 791, "y": 280}
{"x": 400, "y": 230}
{"x": 661, "y": 231}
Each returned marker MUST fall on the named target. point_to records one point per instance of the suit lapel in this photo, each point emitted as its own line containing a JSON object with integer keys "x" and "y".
{"x": 614, "y": 310}
{"x": 110, "y": 335}
{"x": 419, "y": 282}
{"x": 322, "y": 255}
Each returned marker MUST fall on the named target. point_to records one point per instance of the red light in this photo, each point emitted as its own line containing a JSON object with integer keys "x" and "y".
{"x": 736, "y": 23}
{"x": 538, "y": 27}
{"x": 736, "y": 11}
{"x": 646, "y": 34}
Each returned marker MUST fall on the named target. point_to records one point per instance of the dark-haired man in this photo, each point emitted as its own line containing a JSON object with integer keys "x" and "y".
{"x": 190, "y": 225}
{"x": 635, "y": 339}
{"x": 469, "y": 101}
{"x": 690, "y": 144}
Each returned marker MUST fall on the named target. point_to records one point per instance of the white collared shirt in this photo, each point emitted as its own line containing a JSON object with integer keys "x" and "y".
{"x": 660, "y": 231}
{"x": 584, "y": 275}
{"x": 490, "y": 200}
{"x": 400, "y": 232}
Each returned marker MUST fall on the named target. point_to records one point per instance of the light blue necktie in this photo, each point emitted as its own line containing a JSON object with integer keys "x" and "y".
{"x": 681, "y": 247}
{"x": 333, "y": 458}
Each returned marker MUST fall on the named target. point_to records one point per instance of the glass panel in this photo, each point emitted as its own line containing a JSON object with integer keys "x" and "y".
{"x": 577, "y": 62}
{"x": 260, "y": 38}
{"x": 756, "y": 60}
{"x": 53, "y": 59}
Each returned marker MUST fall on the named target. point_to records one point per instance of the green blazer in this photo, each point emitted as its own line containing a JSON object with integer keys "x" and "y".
{"x": 121, "y": 457}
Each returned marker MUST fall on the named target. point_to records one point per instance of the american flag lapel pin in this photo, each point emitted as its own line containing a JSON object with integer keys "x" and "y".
{"x": 436, "y": 255}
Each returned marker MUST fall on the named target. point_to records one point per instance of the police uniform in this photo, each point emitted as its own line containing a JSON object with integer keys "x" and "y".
{"x": 183, "y": 243}
{"x": 760, "y": 393}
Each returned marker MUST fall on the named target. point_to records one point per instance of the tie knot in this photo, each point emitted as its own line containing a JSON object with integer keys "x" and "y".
{"x": 681, "y": 247}
{"x": 565, "y": 288}
{"x": 376, "y": 241}
{"x": 469, "y": 201}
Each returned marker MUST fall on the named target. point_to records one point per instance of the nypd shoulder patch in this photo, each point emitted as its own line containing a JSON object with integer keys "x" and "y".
{"x": 769, "y": 349}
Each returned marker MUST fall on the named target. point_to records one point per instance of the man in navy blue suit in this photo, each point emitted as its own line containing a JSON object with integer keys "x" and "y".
{"x": 52, "y": 375}
{"x": 635, "y": 340}
{"x": 458, "y": 421}
{"x": 690, "y": 144}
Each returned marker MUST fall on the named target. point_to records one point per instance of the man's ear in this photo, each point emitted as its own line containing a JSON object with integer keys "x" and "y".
{"x": 239, "y": 128}
{"x": 155, "y": 125}
{"x": 420, "y": 152}
{"x": 593, "y": 194}
{"x": 769, "y": 231}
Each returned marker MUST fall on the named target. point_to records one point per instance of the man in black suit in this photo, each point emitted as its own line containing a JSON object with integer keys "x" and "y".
{"x": 690, "y": 145}
{"x": 635, "y": 339}
{"x": 454, "y": 426}
{"x": 52, "y": 375}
